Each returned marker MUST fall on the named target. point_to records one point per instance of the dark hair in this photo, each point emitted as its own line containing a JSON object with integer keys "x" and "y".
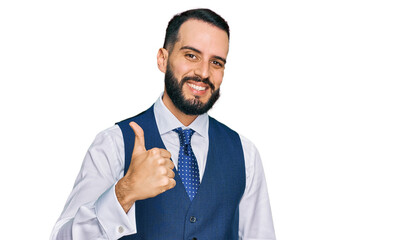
{"x": 203, "y": 14}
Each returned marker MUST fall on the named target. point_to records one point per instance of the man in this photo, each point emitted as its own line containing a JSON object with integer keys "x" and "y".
{"x": 172, "y": 172}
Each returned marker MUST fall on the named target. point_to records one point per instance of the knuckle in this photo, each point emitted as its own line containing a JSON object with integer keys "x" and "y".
{"x": 163, "y": 170}
{"x": 162, "y": 161}
{"x": 155, "y": 151}
{"x": 165, "y": 181}
{"x": 168, "y": 154}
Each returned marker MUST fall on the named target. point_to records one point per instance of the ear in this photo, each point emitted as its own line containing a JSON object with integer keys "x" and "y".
{"x": 162, "y": 56}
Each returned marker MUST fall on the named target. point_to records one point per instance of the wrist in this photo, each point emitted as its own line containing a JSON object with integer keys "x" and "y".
{"x": 123, "y": 196}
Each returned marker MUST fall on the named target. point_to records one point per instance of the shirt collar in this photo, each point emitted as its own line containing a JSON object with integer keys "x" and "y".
{"x": 166, "y": 121}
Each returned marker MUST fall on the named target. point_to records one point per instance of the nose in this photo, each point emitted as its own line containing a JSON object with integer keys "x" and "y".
{"x": 202, "y": 69}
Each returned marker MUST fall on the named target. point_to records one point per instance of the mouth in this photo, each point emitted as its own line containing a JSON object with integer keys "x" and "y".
{"x": 196, "y": 87}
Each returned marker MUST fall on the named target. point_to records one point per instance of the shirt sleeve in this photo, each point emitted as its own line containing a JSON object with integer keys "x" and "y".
{"x": 255, "y": 218}
{"x": 92, "y": 210}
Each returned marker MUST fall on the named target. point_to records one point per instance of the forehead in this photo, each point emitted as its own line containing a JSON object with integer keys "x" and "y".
{"x": 203, "y": 36}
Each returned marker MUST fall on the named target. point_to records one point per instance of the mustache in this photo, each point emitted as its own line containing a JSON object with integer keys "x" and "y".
{"x": 198, "y": 79}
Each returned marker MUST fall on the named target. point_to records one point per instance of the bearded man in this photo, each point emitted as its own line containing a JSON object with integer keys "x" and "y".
{"x": 173, "y": 172}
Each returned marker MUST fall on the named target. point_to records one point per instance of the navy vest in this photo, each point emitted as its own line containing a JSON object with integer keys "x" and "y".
{"x": 214, "y": 212}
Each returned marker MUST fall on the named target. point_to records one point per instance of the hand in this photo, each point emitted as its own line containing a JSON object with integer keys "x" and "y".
{"x": 150, "y": 173}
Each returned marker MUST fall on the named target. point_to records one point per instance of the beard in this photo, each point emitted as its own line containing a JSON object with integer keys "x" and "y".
{"x": 194, "y": 106}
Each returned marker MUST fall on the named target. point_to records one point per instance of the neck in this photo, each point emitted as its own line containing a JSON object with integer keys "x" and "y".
{"x": 186, "y": 120}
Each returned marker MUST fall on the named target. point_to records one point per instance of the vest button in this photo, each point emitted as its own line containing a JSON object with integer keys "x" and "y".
{"x": 194, "y": 238}
{"x": 193, "y": 220}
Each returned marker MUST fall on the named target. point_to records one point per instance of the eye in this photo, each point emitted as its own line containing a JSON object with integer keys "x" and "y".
{"x": 217, "y": 63}
{"x": 191, "y": 56}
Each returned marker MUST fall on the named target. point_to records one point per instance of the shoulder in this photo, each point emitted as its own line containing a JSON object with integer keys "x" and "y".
{"x": 249, "y": 148}
{"x": 246, "y": 143}
{"x": 218, "y": 126}
{"x": 111, "y": 141}
{"x": 112, "y": 133}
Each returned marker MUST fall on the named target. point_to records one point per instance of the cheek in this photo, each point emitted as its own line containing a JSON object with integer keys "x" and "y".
{"x": 217, "y": 79}
{"x": 180, "y": 69}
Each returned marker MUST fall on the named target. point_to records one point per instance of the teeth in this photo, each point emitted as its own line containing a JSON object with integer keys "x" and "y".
{"x": 198, "y": 88}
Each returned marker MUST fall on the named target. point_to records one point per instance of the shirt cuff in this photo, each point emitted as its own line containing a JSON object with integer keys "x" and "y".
{"x": 115, "y": 222}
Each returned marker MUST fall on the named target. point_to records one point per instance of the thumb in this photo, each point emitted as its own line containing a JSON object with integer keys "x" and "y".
{"x": 139, "y": 144}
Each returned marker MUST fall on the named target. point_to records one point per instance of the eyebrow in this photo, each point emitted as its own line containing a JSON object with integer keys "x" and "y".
{"x": 198, "y": 51}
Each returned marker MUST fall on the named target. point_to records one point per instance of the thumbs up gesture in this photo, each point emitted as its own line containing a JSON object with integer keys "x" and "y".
{"x": 150, "y": 173}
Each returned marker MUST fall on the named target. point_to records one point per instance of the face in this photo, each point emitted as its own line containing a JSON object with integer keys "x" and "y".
{"x": 195, "y": 67}
{"x": 192, "y": 106}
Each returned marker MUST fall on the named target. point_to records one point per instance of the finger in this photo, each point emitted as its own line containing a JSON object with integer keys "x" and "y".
{"x": 139, "y": 144}
{"x": 169, "y": 164}
{"x": 172, "y": 183}
{"x": 164, "y": 153}
{"x": 170, "y": 173}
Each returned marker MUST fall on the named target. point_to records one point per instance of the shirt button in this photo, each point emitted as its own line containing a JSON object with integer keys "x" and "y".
{"x": 193, "y": 219}
{"x": 120, "y": 229}
{"x": 194, "y": 238}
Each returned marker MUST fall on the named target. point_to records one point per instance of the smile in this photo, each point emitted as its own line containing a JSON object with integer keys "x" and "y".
{"x": 195, "y": 87}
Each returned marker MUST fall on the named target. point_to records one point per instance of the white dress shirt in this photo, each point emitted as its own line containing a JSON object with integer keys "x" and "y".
{"x": 92, "y": 210}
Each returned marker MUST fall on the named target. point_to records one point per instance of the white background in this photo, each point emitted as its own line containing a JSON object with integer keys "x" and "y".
{"x": 325, "y": 89}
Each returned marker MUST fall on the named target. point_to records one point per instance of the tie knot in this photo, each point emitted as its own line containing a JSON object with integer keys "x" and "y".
{"x": 184, "y": 135}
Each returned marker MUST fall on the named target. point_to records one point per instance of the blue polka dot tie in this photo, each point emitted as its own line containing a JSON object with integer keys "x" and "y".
{"x": 188, "y": 168}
